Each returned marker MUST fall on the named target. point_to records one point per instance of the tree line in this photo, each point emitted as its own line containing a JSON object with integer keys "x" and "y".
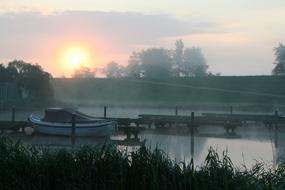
{"x": 156, "y": 63}
{"x": 165, "y": 63}
{"x": 33, "y": 82}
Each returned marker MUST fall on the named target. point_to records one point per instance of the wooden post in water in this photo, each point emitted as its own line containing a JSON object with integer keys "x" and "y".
{"x": 13, "y": 114}
{"x": 1, "y": 104}
{"x": 176, "y": 110}
{"x": 231, "y": 110}
{"x": 73, "y": 126}
{"x": 192, "y": 134}
{"x": 105, "y": 111}
{"x": 276, "y": 128}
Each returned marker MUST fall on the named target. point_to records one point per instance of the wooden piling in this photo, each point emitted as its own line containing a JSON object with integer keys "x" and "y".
{"x": 231, "y": 110}
{"x": 276, "y": 129}
{"x": 176, "y": 110}
{"x": 13, "y": 114}
{"x": 192, "y": 133}
{"x": 73, "y": 126}
{"x": 1, "y": 105}
{"x": 105, "y": 111}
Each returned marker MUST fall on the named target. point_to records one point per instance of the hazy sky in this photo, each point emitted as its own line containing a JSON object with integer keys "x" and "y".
{"x": 237, "y": 36}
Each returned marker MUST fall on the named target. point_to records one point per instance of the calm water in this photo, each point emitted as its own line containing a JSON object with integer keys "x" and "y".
{"x": 256, "y": 142}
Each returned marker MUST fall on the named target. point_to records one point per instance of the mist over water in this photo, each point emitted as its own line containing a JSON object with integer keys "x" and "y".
{"x": 255, "y": 143}
{"x": 243, "y": 151}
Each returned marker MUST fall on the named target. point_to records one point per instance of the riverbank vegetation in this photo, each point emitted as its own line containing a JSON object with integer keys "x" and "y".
{"x": 23, "y": 84}
{"x": 105, "y": 167}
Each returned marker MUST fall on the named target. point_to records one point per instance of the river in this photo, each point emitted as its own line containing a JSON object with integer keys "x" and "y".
{"x": 255, "y": 144}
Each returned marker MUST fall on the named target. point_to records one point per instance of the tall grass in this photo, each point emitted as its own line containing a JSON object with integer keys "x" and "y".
{"x": 105, "y": 167}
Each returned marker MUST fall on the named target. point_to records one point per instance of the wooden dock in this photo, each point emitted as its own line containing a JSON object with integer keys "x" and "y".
{"x": 132, "y": 127}
{"x": 262, "y": 118}
{"x": 13, "y": 126}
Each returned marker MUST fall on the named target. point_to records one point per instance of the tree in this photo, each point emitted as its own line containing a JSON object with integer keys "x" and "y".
{"x": 194, "y": 63}
{"x": 161, "y": 63}
{"x": 7, "y": 74}
{"x": 178, "y": 57}
{"x": 279, "y": 68}
{"x": 83, "y": 72}
{"x": 156, "y": 63}
{"x": 134, "y": 69}
{"x": 32, "y": 80}
{"x": 114, "y": 70}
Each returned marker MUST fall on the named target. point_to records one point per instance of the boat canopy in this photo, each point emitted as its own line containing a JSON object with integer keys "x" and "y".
{"x": 64, "y": 115}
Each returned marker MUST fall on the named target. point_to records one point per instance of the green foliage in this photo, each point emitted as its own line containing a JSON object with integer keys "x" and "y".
{"x": 114, "y": 70}
{"x": 83, "y": 72}
{"x": 133, "y": 69}
{"x": 32, "y": 81}
{"x": 279, "y": 60}
{"x": 8, "y": 74}
{"x": 178, "y": 57}
{"x": 105, "y": 167}
{"x": 194, "y": 63}
{"x": 159, "y": 63}
{"x": 156, "y": 63}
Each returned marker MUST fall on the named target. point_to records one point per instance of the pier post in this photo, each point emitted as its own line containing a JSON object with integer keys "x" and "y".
{"x": 105, "y": 111}
{"x": 176, "y": 110}
{"x": 13, "y": 114}
{"x": 276, "y": 129}
{"x": 73, "y": 126}
{"x": 231, "y": 110}
{"x": 192, "y": 134}
{"x": 1, "y": 105}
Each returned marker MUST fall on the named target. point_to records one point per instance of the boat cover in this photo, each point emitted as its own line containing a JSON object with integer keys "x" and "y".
{"x": 64, "y": 115}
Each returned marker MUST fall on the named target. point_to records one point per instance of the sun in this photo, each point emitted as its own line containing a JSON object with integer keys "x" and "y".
{"x": 74, "y": 57}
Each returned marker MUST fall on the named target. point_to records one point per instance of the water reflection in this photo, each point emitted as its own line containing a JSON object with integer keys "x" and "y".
{"x": 243, "y": 151}
{"x": 256, "y": 142}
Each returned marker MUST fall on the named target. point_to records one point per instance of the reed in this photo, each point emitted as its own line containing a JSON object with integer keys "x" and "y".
{"x": 105, "y": 167}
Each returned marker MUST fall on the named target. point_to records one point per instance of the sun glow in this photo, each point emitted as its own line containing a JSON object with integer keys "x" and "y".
{"x": 71, "y": 54}
{"x": 76, "y": 56}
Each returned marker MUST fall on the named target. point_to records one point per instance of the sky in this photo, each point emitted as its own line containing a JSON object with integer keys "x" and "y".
{"x": 236, "y": 37}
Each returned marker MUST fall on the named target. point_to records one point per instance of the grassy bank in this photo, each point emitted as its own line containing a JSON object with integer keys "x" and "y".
{"x": 28, "y": 167}
{"x": 255, "y": 89}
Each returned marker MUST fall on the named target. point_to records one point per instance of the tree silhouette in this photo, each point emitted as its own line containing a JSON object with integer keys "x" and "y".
{"x": 194, "y": 63}
{"x": 279, "y": 68}
{"x": 134, "y": 69}
{"x": 83, "y": 72}
{"x": 156, "y": 63}
{"x": 178, "y": 58}
{"x": 32, "y": 80}
{"x": 114, "y": 70}
{"x": 163, "y": 63}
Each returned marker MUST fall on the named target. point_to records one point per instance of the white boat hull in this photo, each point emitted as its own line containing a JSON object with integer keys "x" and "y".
{"x": 99, "y": 128}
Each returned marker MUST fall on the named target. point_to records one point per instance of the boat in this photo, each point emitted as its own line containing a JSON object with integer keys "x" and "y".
{"x": 58, "y": 121}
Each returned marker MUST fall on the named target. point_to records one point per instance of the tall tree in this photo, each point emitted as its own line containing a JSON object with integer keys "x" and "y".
{"x": 33, "y": 81}
{"x": 156, "y": 63}
{"x": 178, "y": 57}
{"x": 114, "y": 70}
{"x": 279, "y": 68}
{"x": 194, "y": 62}
{"x": 134, "y": 69}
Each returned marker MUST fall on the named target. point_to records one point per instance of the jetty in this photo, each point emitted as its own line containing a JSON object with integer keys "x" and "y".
{"x": 159, "y": 124}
